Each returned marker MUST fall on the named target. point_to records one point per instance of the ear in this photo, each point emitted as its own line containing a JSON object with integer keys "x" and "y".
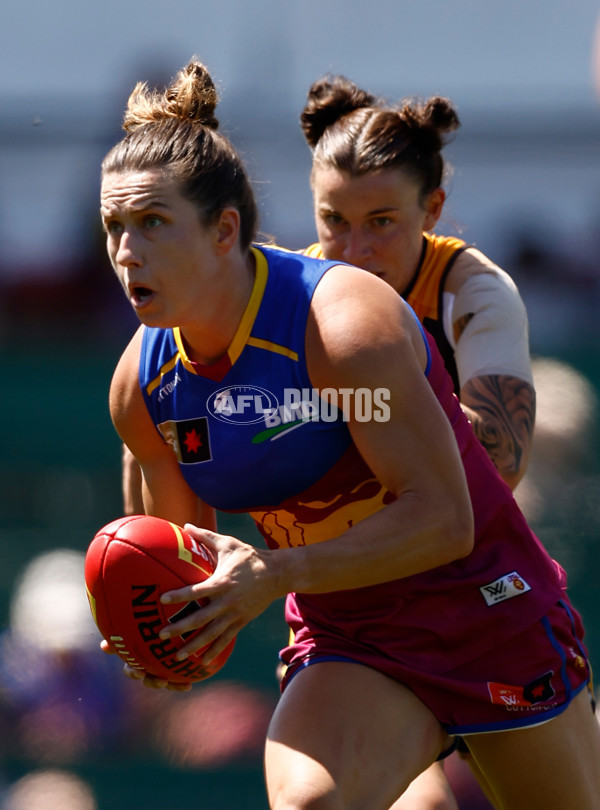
{"x": 227, "y": 230}
{"x": 433, "y": 207}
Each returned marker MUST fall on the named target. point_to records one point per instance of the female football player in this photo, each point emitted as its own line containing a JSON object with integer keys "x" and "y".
{"x": 421, "y": 603}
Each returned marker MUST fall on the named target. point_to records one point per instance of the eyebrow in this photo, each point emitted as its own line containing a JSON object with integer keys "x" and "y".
{"x": 137, "y": 208}
{"x": 375, "y": 212}
{"x": 151, "y": 204}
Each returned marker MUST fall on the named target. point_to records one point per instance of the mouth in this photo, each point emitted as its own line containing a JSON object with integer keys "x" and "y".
{"x": 140, "y": 296}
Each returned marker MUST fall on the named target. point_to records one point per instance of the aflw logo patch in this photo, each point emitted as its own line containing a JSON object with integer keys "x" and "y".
{"x": 504, "y": 588}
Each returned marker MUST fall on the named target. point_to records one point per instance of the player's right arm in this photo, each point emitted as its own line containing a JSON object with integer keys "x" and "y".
{"x": 490, "y": 337}
{"x": 165, "y": 492}
{"x": 163, "y": 489}
{"x": 131, "y": 483}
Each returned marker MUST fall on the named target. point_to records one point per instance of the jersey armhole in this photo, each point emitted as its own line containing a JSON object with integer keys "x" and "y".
{"x": 425, "y": 341}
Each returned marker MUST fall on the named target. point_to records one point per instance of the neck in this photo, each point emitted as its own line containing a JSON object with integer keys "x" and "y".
{"x": 207, "y": 342}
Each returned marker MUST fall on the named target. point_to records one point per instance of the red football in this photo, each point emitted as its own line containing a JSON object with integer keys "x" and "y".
{"x": 128, "y": 565}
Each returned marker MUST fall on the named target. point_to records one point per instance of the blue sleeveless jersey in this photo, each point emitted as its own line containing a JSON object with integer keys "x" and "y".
{"x": 241, "y": 427}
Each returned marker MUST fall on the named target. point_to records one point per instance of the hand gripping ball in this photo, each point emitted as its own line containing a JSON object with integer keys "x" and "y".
{"x": 129, "y": 564}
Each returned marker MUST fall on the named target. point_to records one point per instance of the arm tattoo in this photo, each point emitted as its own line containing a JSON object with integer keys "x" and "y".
{"x": 502, "y": 411}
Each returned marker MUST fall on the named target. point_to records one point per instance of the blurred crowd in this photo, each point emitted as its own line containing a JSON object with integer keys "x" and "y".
{"x": 64, "y": 703}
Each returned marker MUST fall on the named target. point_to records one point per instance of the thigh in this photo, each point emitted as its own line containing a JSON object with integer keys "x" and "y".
{"x": 551, "y": 767}
{"x": 347, "y": 736}
{"x": 429, "y": 791}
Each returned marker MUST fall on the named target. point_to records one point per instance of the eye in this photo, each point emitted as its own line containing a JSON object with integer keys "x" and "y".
{"x": 333, "y": 219}
{"x": 152, "y": 221}
{"x": 381, "y": 222}
{"x": 113, "y": 227}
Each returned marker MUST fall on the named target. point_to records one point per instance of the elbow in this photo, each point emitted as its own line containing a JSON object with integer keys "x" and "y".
{"x": 514, "y": 469}
{"x": 465, "y": 541}
{"x": 460, "y": 533}
{"x": 512, "y": 479}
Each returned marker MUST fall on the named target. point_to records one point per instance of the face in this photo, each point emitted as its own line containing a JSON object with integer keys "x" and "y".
{"x": 163, "y": 255}
{"x": 375, "y": 221}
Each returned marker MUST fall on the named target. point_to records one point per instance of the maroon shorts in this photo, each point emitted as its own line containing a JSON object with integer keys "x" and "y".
{"x": 523, "y": 682}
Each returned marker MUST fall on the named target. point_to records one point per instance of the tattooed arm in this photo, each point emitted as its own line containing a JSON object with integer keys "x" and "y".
{"x": 502, "y": 411}
{"x": 491, "y": 344}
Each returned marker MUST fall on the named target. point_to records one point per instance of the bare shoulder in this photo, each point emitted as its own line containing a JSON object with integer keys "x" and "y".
{"x": 124, "y": 387}
{"x": 472, "y": 262}
{"x": 129, "y": 412}
{"x": 355, "y": 309}
{"x": 350, "y": 297}
{"x": 356, "y": 318}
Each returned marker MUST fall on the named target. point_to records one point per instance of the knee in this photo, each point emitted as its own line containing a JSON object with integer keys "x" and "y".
{"x": 429, "y": 791}
{"x": 303, "y": 797}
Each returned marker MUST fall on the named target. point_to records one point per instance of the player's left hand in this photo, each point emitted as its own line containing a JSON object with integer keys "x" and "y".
{"x": 151, "y": 681}
{"x": 242, "y": 586}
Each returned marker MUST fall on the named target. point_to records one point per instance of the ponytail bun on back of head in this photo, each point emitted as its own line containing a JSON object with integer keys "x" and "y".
{"x": 350, "y": 130}
{"x": 191, "y": 96}
{"x": 441, "y": 114}
{"x": 329, "y": 99}
{"x": 429, "y": 123}
{"x": 174, "y": 130}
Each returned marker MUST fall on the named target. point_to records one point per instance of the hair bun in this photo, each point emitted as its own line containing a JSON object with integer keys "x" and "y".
{"x": 427, "y": 123}
{"x": 194, "y": 95}
{"x": 441, "y": 114}
{"x": 328, "y": 100}
{"x": 191, "y": 96}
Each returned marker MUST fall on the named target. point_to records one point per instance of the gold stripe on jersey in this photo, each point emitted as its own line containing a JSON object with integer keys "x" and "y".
{"x": 153, "y": 385}
{"x": 243, "y": 332}
{"x": 259, "y": 343}
{"x": 314, "y": 251}
{"x": 240, "y": 339}
{"x": 424, "y": 294}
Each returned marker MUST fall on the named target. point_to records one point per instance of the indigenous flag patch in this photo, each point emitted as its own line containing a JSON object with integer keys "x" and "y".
{"x": 189, "y": 439}
{"x": 504, "y": 588}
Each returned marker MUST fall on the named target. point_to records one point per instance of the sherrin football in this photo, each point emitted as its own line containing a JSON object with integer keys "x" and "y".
{"x": 129, "y": 564}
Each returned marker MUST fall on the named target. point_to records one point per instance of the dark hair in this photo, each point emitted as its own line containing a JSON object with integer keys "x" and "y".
{"x": 176, "y": 129}
{"x": 351, "y": 130}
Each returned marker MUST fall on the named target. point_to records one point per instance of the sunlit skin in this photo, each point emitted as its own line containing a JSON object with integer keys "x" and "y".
{"x": 157, "y": 242}
{"x": 166, "y": 259}
{"x": 374, "y": 221}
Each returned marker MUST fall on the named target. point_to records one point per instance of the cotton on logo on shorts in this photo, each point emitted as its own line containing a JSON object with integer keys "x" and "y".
{"x": 504, "y": 588}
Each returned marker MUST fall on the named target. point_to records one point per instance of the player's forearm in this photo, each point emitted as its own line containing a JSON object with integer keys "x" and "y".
{"x": 409, "y": 536}
{"x": 133, "y": 502}
{"x": 502, "y": 412}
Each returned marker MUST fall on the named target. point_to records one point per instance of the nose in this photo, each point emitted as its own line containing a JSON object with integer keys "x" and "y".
{"x": 128, "y": 252}
{"x": 356, "y": 247}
